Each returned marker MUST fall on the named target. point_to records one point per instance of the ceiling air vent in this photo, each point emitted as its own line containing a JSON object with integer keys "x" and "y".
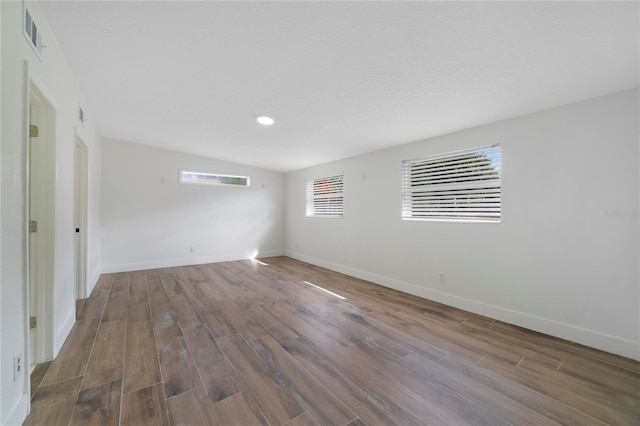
{"x": 32, "y": 33}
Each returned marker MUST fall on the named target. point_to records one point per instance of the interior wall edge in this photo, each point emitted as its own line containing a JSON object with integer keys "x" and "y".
{"x": 594, "y": 339}
{"x": 19, "y": 411}
{"x": 63, "y": 332}
{"x": 93, "y": 280}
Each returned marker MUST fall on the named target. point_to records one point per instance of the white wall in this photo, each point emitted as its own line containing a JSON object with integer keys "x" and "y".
{"x": 557, "y": 263}
{"x": 2, "y": 409}
{"x": 54, "y": 76}
{"x": 149, "y": 220}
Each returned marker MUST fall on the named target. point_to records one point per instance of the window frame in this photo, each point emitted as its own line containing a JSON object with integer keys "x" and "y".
{"x": 181, "y": 181}
{"x": 36, "y": 45}
{"x": 450, "y": 188}
{"x": 335, "y": 200}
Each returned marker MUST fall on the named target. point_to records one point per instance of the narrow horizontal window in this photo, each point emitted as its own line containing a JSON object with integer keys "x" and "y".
{"x": 32, "y": 33}
{"x": 325, "y": 197}
{"x": 458, "y": 186}
{"x": 199, "y": 178}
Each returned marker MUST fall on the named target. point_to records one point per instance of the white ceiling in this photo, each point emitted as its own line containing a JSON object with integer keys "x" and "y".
{"x": 340, "y": 78}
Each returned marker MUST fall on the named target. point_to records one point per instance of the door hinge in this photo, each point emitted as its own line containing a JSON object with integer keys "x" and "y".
{"x": 33, "y": 226}
{"x": 33, "y": 322}
{"x": 33, "y": 131}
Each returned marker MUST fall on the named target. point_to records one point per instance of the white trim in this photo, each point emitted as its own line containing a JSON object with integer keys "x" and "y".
{"x": 45, "y": 310}
{"x": 168, "y": 263}
{"x": 80, "y": 213}
{"x": 34, "y": 81}
{"x": 606, "y": 342}
{"x": 63, "y": 331}
{"x": 91, "y": 282}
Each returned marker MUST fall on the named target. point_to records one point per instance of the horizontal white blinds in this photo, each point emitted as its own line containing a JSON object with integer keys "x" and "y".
{"x": 325, "y": 197}
{"x": 463, "y": 185}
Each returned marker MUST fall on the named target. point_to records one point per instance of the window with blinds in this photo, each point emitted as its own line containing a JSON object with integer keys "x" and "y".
{"x": 458, "y": 186}
{"x": 325, "y": 197}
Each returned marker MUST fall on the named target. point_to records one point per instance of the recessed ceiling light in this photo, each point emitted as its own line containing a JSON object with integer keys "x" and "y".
{"x": 265, "y": 121}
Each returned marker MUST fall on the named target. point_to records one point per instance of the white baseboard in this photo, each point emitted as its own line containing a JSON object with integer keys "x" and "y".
{"x": 93, "y": 281}
{"x": 168, "y": 263}
{"x": 63, "y": 331}
{"x": 19, "y": 412}
{"x": 594, "y": 339}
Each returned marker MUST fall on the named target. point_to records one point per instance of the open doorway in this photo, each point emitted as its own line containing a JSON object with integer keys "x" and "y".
{"x": 80, "y": 218}
{"x": 40, "y": 187}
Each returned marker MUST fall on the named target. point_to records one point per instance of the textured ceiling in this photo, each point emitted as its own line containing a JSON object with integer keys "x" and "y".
{"x": 340, "y": 78}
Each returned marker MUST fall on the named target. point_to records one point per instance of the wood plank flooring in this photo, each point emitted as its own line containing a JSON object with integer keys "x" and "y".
{"x": 281, "y": 342}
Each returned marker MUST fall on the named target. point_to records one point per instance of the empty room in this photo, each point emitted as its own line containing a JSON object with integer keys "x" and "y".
{"x": 320, "y": 213}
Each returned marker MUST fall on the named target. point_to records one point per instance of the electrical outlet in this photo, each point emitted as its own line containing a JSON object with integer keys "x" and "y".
{"x": 443, "y": 278}
{"x": 192, "y": 249}
{"x": 17, "y": 366}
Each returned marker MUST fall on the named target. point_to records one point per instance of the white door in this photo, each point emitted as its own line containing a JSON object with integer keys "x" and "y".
{"x": 37, "y": 221}
{"x": 41, "y": 218}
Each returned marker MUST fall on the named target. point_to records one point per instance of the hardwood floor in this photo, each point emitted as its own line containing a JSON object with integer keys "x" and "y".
{"x": 281, "y": 342}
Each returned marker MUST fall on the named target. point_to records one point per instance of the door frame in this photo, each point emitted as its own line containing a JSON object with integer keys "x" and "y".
{"x": 80, "y": 214}
{"x": 43, "y": 298}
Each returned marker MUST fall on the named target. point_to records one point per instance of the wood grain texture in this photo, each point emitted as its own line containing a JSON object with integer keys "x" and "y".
{"x": 559, "y": 392}
{"x": 277, "y": 404}
{"x": 107, "y": 356}
{"x": 186, "y": 313}
{"x": 80, "y": 339}
{"x": 356, "y": 422}
{"x": 37, "y": 375}
{"x": 145, "y": 406}
{"x": 75, "y": 352}
{"x": 179, "y": 373}
{"x": 209, "y": 311}
{"x": 195, "y": 408}
{"x": 162, "y": 313}
{"x": 99, "y": 405}
{"x": 93, "y": 307}
{"x": 253, "y": 343}
{"x": 237, "y": 410}
{"x": 191, "y": 408}
{"x": 452, "y": 386}
{"x": 317, "y": 400}
{"x": 401, "y": 400}
{"x": 441, "y": 403}
{"x": 79, "y": 305}
{"x": 303, "y": 419}
{"x": 138, "y": 303}
{"x": 116, "y": 307}
{"x": 141, "y": 367}
{"x": 215, "y": 370}
{"x": 269, "y": 323}
{"x": 53, "y": 404}
{"x": 365, "y": 403}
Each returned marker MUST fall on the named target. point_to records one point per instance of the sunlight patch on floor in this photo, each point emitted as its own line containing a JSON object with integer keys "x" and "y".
{"x": 325, "y": 290}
